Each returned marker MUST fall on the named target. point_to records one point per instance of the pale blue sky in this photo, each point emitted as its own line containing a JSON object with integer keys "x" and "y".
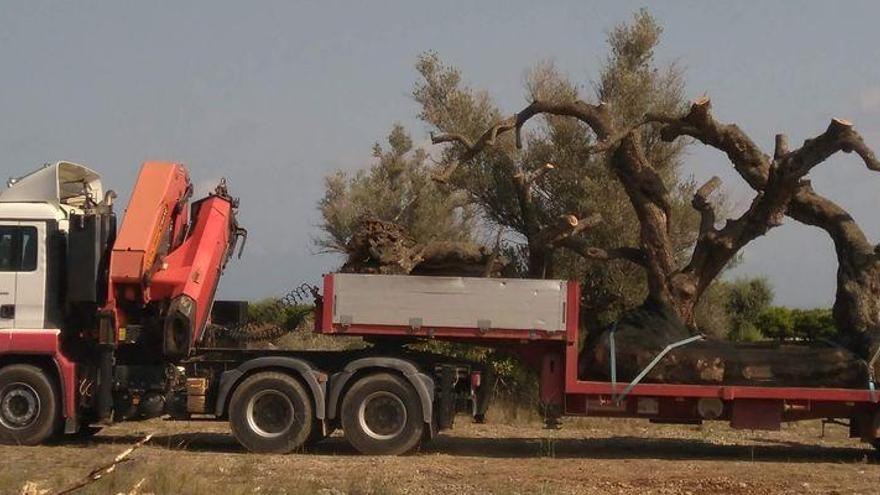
{"x": 275, "y": 95}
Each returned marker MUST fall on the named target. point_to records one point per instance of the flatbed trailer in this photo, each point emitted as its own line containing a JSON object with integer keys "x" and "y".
{"x": 553, "y": 352}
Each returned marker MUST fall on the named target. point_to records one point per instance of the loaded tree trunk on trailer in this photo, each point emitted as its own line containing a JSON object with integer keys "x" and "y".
{"x": 857, "y": 302}
{"x": 675, "y": 287}
{"x": 384, "y": 247}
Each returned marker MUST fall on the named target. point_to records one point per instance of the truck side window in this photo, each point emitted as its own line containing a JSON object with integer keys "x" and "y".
{"x": 28, "y": 249}
{"x": 18, "y": 249}
{"x": 7, "y": 249}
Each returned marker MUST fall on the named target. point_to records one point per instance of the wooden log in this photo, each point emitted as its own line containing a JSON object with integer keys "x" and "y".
{"x": 385, "y": 247}
{"x": 644, "y": 332}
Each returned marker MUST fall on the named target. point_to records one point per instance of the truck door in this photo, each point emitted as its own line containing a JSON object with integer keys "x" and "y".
{"x": 8, "y": 232}
{"x": 30, "y": 279}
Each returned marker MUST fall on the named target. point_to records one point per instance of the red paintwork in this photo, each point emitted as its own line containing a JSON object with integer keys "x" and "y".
{"x": 756, "y": 414}
{"x": 575, "y": 386}
{"x": 552, "y": 380}
{"x": 192, "y": 265}
{"x": 325, "y": 323}
{"x": 44, "y": 343}
{"x": 156, "y": 205}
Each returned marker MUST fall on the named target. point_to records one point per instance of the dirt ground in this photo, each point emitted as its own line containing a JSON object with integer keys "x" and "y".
{"x": 586, "y": 456}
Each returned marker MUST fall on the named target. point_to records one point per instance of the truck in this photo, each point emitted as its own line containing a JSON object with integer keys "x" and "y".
{"x": 99, "y": 325}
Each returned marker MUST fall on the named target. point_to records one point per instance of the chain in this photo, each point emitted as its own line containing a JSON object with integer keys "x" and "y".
{"x": 263, "y": 324}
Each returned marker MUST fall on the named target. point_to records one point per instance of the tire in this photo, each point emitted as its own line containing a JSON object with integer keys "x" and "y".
{"x": 271, "y": 413}
{"x": 30, "y": 405}
{"x": 382, "y": 415}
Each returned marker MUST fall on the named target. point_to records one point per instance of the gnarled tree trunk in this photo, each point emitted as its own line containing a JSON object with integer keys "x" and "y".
{"x": 857, "y": 300}
{"x": 674, "y": 290}
{"x": 384, "y": 247}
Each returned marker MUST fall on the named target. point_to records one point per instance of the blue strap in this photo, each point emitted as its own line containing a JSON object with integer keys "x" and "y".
{"x": 871, "y": 376}
{"x": 619, "y": 398}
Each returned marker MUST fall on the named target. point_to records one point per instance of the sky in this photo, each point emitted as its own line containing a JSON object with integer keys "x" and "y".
{"x": 277, "y": 95}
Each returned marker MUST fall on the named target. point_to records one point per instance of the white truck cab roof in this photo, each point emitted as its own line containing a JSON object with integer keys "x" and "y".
{"x": 51, "y": 192}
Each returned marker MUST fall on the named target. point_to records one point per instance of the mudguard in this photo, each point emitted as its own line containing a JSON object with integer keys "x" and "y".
{"x": 422, "y": 383}
{"x": 315, "y": 379}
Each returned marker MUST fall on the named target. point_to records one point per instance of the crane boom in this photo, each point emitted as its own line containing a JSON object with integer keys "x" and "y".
{"x": 166, "y": 262}
{"x": 155, "y": 213}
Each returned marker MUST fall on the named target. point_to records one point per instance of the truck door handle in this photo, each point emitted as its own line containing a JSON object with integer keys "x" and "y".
{"x": 7, "y": 311}
{"x": 4, "y": 293}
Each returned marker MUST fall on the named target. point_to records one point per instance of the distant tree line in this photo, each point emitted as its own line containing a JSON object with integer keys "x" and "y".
{"x": 742, "y": 310}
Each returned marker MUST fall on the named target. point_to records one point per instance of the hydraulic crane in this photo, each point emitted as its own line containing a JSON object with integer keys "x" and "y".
{"x": 104, "y": 313}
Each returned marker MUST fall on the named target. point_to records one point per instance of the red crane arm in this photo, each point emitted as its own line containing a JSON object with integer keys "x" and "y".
{"x": 161, "y": 260}
{"x": 155, "y": 216}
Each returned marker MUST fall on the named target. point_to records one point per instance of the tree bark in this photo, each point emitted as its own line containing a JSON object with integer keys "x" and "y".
{"x": 857, "y": 302}
{"x": 643, "y": 332}
{"x": 384, "y": 247}
{"x": 673, "y": 290}
{"x": 856, "y": 308}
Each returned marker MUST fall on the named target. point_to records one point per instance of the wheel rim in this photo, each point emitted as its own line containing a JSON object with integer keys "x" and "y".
{"x": 270, "y": 413}
{"x": 19, "y": 406}
{"x": 382, "y": 415}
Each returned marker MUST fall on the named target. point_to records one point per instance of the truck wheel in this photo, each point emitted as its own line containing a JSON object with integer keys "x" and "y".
{"x": 270, "y": 412}
{"x": 382, "y": 414}
{"x": 30, "y": 409}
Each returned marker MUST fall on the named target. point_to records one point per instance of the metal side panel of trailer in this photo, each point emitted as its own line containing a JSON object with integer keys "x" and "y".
{"x": 487, "y": 307}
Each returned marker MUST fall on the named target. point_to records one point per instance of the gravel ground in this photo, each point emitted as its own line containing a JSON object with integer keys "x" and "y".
{"x": 589, "y": 456}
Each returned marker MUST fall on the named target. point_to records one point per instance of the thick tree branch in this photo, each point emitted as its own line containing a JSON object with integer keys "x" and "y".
{"x": 642, "y": 183}
{"x": 751, "y": 163}
{"x": 535, "y": 176}
{"x": 595, "y": 116}
{"x": 839, "y": 136}
{"x": 810, "y": 208}
{"x": 702, "y": 204}
{"x": 782, "y": 148}
{"x": 452, "y": 138}
{"x": 566, "y": 226}
{"x": 776, "y": 180}
{"x": 581, "y": 246}
{"x": 523, "y": 189}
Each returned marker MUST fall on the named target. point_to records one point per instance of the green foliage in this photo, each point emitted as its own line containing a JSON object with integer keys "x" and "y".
{"x": 271, "y": 311}
{"x": 741, "y": 310}
{"x": 776, "y": 322}
{"x": 513, "y": 382}
{"x": 783, "y": 323}
{"x": 813, "y": 324}
{"x": 746, "y": 299}
{"x": 298, "y": 320}
{"x": 398, "y": 188}
{"x": 632, "y": 83}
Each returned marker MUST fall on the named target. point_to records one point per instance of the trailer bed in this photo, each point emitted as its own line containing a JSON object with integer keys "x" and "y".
{"x": 538, "y": 320}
